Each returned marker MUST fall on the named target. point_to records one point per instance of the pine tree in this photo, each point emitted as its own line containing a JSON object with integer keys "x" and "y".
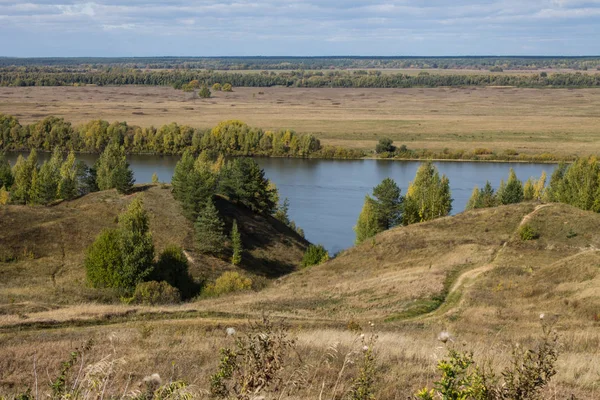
{"x": 528, "y": 190}
{"x": 23, "y": 174}
{"x": 539, "y": 186}
{"x": 487, "y": 196}
{"x": 112, "y": 169}
{"x": 475, "y": 200}
{"x": 428, "y": 196}
{"x": 236, "y": 242}
{"x": 367, "y": 225}
{"x": 6, "y": 176}
{"x": 388, "y": 204}
{"x": 182, "y": 170}
{"x": 243, "y": 180}
{"x": 199, "y": 188}
{"x": 68, "y": 185}
{"x": 209, "y": 230}
{"x": 513, "y": 191}
{"x": 44, "y": 184}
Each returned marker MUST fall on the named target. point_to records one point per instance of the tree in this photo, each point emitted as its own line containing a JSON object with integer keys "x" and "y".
{"x": 68, "y": 186}
{"x": 314, "y": 255}
{"x": 6, "y": 176}
{"x": 513, "y": 191}
{"x": 367, "y": 225}
{"x": 209, "y": 230}
{"x": 227, "y": 87}
{"x": 528, "y": 190}
{"x": 23, "y": 174}
{"x": 112, "y": 169}
{"x": 385, "y": 145}
{"x": 122, "y": 258}
{"x": 182, "y": 170}
{"x": 204, "y": 92}
{"x": 172, "y": 267}
{"x": 388, "y": 203}
{"x": 155, "y": 180}
{"x": 475, "y": 200}
{"x": 44, "y": 184}
{"x": 236, "y": 242}
{"x": 487, "y": 196}
{"x": 4, "y": 195}
{"x": 428, "y": 196}
{"x": 242, "y": 180}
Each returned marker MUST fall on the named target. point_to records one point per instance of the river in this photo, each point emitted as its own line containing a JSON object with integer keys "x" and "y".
{"x": 326, "y": 196}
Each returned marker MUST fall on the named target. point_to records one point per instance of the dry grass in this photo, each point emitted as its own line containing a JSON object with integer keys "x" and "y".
{"x": 559, "y": 121}
{"x": 499, "y": 286}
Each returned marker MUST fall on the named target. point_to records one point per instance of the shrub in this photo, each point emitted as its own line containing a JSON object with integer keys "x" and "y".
{"x": 204, "y": 92}
{"x": 527, "y": 232}
{"x": 153, "y": 292}
{"x": 385, "y": 145}
{"x": 315, "y": 255}
{"x": 227, "y": 87}
{"x": 103, "y": 260}
{"x": 229, "y": 282}
{"x": 172, "y": 267}
{"x": 217, "y": 87}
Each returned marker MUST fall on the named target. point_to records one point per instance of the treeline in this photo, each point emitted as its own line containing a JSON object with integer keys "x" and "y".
{"x": 233, "y": 138}
{"x": 286, "y": 63}
{"x": 299, "y": 78}
{"x": 62, "y": 178}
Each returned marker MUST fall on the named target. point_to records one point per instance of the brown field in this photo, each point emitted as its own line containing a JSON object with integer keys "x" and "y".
{"x": 558, "y": 121}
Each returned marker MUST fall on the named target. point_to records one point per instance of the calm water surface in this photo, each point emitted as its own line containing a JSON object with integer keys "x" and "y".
{"x": 326, "y": 196}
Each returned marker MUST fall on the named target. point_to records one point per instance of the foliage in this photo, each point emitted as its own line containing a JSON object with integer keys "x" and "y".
{"x": 530, "y": 372}
{"x": 4, "y": 195}
{"x": 227, "y": 87}
{"x": 236, "y": 243}
{"x": 229, "y": 282}
{"x": 314, "y": 255}
{"x": 282, "y": 215}
{"x": 256, "y": 363}
{"x": 217, "y": 87}
{"x": 69, "y": 185}
{"x": 385, "y": 145}
{"x": 363, "y": 385}
{"x": 428, "y": 196}
{"x": 155, "y": 180}
{"x": 6, "y": 176}
{"x": 242, "y": 180}
{"x": 577, "y": 185}
{"x": 368, "y": 224}
{"x": 512, "y": 192}
{"x": 23, "y": 174}
{"x": 121, "y": 258}
{"x": 475, "y": 200}
{"x": 112, "y": 169}
{"x": 153, "y": 293}
{"x": 388, "y": 204}
{"x": 172, "y": 267}
{"x": 204, "y": 92}
{"x": 45, "y": 182}
{"x": 209, "y": 230}
{"x": 527, "y": 232}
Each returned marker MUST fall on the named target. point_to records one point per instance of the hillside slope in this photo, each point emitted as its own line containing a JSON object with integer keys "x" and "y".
{"x": 42, "y": 248}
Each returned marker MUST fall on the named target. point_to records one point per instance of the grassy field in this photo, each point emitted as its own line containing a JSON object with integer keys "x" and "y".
{"x": 469, "y": 274}
{"x": 532, "y": 121}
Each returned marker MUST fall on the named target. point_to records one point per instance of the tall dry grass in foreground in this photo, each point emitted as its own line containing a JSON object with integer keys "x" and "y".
{"x": 267, "y": 360}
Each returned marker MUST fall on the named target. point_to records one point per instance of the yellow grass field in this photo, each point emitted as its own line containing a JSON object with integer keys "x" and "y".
{"x": 534, "y": 121}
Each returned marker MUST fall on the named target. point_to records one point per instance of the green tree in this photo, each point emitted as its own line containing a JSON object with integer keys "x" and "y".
{"x": 242, "y": 180}
{"x": 385, "y": 145}
{"x": 367, "y": 225}
{"x": 199, "y": 187}
{"x": 68, "y": 187}
{"x": 428, "y": 196}
{"x": 487, "y": 195}
{"x": 112, "y": 169}
{"x": 236, "y": 242}
{"x": 172, "y": 267}
{"x": 182, "y": 170}
{"x": 204, "y": 92}
{"x": 121, "y": 258}
{"x": 6, "y": 176}
{"x": 209, "y": 230}
{"x": 475, "y": 200}
{"x": 23, "y": 174}
{"x": 44, "y": 184}
{"x": 528, "y": 190}
{"x": 513, "y": 191}
{"x": 388, "y": 203}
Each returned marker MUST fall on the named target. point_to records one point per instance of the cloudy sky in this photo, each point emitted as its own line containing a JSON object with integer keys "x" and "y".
{"x": 294, "y": 27}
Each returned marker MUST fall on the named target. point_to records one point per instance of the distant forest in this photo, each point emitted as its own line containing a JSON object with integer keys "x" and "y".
{"x": 314, "y": 63}
{"x": 177, "y": 78}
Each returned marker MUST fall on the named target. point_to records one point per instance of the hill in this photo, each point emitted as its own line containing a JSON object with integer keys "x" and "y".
{"x": 471, "y": 275}
{"x": 42, "y": 248}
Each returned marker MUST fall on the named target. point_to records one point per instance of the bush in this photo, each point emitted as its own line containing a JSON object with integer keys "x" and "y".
{"x": 385, "y": 145}
{"x": 315, "y": 255}
{"x": 172, "y": 267}
{"x": 527, "y": 232}
{"x": 227, "y": 87}
{"x": 229, "y": 282}
{"x": 153, "y": 292}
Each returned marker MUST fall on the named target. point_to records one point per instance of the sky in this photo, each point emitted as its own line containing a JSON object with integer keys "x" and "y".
{"x": 105, "y": 28}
